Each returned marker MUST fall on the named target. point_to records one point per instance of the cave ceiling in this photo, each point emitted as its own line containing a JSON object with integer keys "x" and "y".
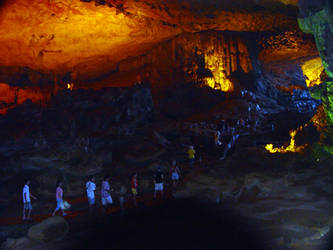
{"x": 90, "y": 38}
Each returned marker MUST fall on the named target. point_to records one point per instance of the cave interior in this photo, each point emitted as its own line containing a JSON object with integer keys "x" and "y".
{"x": 96, "y": 87}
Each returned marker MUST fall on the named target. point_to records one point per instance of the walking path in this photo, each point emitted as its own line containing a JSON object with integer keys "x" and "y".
{"x": 146, "y": 200}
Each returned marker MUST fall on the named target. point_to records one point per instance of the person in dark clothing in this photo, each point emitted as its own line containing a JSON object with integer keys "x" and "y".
{"x": 134, "y": 188}
{"x": 122, "y": 194}
{"x": 158, "y": 181}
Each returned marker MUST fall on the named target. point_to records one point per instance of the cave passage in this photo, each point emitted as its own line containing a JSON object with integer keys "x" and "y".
{"x": 226, "y": 106}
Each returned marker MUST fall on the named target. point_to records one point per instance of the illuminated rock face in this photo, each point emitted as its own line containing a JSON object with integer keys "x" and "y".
{"x": 288, "y": 59}
{"x": 117, "y": 43}
{"x": 63, "y": 34}
{"x": 292, "y": 147}
{"x": 212, "y": 58}
{"x": 317, "y": 19}
{"x": 88, "y": 40}
{"x": 312, "y": 69}
{"x": 287, "y": 46}
{"x": 207, "y": 58}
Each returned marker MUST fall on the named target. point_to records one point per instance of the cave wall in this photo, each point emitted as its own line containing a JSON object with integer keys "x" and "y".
{"x": 227, "y": 61}
{"x": 71, "y": 114}
{"x": 183, "y": 58}
{"x": 317, "y": 18}
{"x": 11, "y": 96}
{"x": 161, "y": 42}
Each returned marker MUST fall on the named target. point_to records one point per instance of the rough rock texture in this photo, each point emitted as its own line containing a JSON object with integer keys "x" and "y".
{"x": 317, "y": 18}
{"x": 73, "y": 136}
{"x": 207, "y": 58}
{"x": 12, "y": 96}
{"x": 320, "y": 24}
{"x": 84, "y": 110}
{"x": 292, "y": 204}
{"x": 289, "y": 79}
{"x": 54, "y": 228}
{"x": 19, "y": 243}
{"x": 287, "y": 46}
{"x": 118, "y": 43}
{"x": 88, "y": 40}
{"x": 226, "y": 61}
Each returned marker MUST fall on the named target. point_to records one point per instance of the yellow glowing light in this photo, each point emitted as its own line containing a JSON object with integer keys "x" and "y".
{"x": 312, "y": 70}
{"x": 219, "y": 80}
{"x": 70, "y": 86}
{"x": 292, "y": 145}
{"x": 210, "y": 82}
{"x": 318, "y": 120}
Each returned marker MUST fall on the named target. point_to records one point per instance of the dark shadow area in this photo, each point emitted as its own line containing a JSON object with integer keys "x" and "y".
{"x": 176, "y": 225}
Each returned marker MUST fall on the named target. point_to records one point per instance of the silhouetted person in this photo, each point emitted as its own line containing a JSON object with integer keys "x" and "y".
{"x": 27, "y": 201}
{"x": 158, "y": 181}
{"x": 122, "y": 194}
{"x": 105, "y": 192}
{"x": 217, "y": 138}
{"x": 134, "y": 188}
{"x": 59, "y": 198}
{"x": 90, "y": 188}
{"x": 175, "y": 174}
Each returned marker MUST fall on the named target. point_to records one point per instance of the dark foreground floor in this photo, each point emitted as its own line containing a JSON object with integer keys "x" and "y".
{"x": 175, "y": 225}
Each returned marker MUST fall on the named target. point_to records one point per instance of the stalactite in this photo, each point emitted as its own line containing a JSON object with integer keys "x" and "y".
{"x": 218, "y": 52}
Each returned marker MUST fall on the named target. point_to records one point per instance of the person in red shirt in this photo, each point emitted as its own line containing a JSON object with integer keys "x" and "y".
{"x": 134, "y": 187}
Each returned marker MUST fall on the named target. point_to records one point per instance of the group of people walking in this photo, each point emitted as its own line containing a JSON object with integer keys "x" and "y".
{"x": 106, "y": 198}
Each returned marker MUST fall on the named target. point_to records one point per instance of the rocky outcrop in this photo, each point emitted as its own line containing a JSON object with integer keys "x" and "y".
{"x": 20, "y": 243}
{"x": 84, "y": 110}
{"x": 317, "y": 18}
{"x": 293, "y": 203}
{"x": 54, "y": 228}
{"x": 40, "y": 236}
{"x": 285, "y": 82}
{"x": 208, "y": 57}
{"x": 12, "y": 96}
{"x": 286, "y": 46}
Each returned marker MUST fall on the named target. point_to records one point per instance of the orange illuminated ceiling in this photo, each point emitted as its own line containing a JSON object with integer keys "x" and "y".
{"x": 89, "y": 40}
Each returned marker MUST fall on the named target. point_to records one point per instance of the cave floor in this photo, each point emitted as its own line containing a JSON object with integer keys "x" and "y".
{"x": 288, "y": 197}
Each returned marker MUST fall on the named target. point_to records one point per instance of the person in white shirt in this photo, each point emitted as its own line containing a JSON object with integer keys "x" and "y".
{"x": 27, "y": 201}
{"x": 105, "y": 193}
{"x": 91, "y": 187}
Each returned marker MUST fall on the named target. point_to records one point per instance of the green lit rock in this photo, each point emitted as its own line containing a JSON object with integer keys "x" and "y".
{"x": 321, "y": 26}
{"x": 327, "y": 100}
{"x": 316, "y": 17}
{"x": 316, "y": 92}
